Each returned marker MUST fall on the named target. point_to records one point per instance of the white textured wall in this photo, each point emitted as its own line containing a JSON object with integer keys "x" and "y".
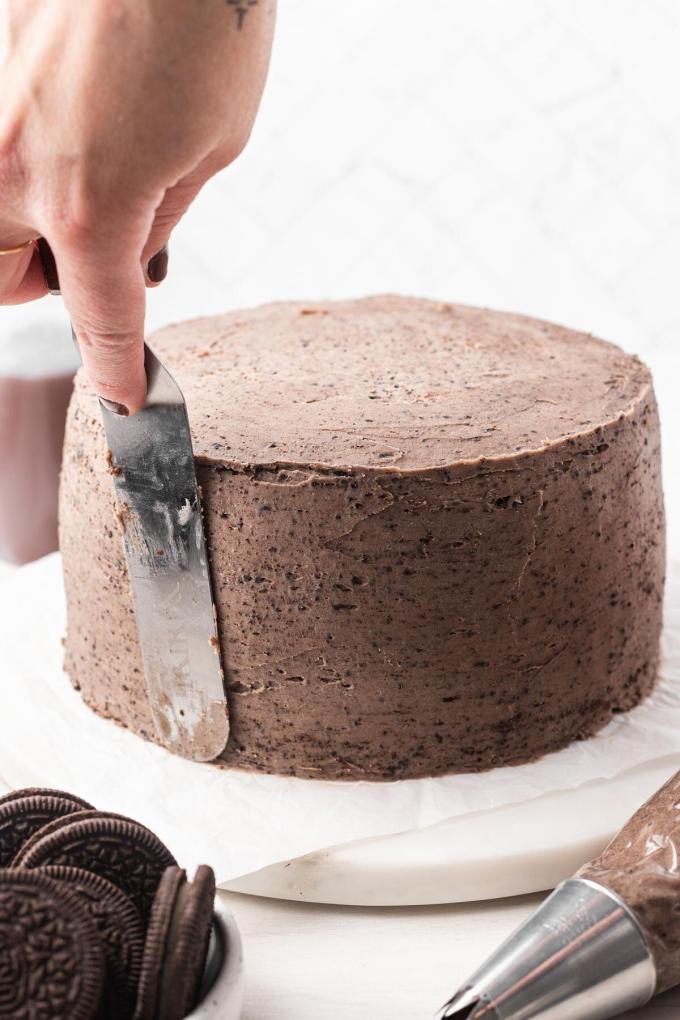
{"x": 517, "y": 153}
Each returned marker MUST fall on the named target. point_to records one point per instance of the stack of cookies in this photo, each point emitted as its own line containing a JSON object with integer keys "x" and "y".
{"x": 97, "y": 921}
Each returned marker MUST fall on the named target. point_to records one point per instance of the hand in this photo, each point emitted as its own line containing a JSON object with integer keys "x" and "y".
{"x": 114, "y": 114}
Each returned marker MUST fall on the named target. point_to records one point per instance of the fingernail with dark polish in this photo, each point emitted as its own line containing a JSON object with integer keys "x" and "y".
{"x": 49, "y": 266}
{"x": 112, "y": 405}
{"x": 157, "y": 268}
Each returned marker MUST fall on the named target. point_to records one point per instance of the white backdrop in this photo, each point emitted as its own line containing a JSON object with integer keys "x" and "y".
{"x": 523, "y": 155}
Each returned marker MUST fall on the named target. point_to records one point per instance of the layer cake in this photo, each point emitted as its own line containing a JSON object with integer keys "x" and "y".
{"x": 436, "y": 536}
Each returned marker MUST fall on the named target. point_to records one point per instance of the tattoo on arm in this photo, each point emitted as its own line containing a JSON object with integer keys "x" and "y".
{"x": 241, "y": 8}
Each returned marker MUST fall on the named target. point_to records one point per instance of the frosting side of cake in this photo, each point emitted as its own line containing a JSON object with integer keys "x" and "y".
{"x": 436, "y": 536}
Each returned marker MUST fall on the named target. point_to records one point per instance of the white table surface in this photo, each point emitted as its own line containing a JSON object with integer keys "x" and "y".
{"x": 305, "y": 961}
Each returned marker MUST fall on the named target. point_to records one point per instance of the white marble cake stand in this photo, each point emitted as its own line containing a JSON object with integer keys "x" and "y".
{"x": 519, "y": 848}
{"x": 507, "y": 851}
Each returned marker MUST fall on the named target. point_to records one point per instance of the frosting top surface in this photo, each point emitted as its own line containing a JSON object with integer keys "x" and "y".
{"x": 391, "y": 383}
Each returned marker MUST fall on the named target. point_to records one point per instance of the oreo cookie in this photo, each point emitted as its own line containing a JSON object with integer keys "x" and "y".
{"x": 97, "y": 922}
{"x": 117, "y": 848}
{"x": 177, "y": 944}
{"x": 52, "y": 958}
{"x": 149, "y": 988}
{"x": 187, "y": 949}
{"x": 21, "y": 816}
{"x": 52, "y": 826}
{"x": 120, "y": 929}
{"x": 40, "y": 791}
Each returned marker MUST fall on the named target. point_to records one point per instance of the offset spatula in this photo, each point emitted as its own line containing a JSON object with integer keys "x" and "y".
{"x": 159, "y": 506}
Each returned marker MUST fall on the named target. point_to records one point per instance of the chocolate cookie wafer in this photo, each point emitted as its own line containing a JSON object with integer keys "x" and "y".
{"x": 53, "y": 826}
{"x": 119, "y": 849}
{"x": 22, "y": 816}
{"x": 41, "y": 791}
{"x": 120, "y": 928}
{"x": 52, "y": 958}
{"x": 177, "y": 944}
{"x": 187, "y": 948}
{"x": 149, "y": 988}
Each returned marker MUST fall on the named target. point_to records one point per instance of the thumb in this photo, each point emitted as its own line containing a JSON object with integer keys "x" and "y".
{"x": 103, "y": 288}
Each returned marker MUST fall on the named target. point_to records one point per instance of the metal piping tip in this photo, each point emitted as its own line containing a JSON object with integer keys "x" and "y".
{"x": 467, "y": 1005}
{"x": 580, "y": 956}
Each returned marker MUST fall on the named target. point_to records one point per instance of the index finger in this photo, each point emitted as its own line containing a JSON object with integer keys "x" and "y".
{"x": 104, "y": 291}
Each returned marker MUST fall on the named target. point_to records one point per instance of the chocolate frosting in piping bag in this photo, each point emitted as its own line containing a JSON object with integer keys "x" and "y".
{"x": 642, "y": 866}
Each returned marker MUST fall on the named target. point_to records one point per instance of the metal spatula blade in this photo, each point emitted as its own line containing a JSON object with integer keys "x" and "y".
{"x": 159, "y": 507}
{"x": 152, "y": 461}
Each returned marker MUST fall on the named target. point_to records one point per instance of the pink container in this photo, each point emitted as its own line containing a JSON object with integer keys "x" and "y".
{"x": 37, "y": 365}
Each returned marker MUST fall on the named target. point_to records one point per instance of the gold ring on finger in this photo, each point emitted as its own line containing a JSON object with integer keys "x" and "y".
{"x": 17, "y": 248}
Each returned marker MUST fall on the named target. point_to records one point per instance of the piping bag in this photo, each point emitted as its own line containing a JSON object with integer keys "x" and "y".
{"x": 604, "y": 941}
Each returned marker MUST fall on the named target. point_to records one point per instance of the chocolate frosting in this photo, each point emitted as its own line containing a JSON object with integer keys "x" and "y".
{"x": 642, "y": 866}
{"x": 436, "y": 536}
